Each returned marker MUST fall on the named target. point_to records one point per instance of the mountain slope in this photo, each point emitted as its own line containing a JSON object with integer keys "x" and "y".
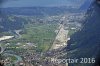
{"x": 86, "y": 42}
{"x": 86, "y": 5}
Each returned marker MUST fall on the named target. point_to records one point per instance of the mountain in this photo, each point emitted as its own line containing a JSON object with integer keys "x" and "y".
{"x": 86, "y": 42}
{"x": 86, "y": 5}
{"x": 42, "y": 3}
{"x": 37, "y": 10}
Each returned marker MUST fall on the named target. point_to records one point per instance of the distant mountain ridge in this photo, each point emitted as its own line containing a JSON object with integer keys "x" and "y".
{"x": 38, "y": 10}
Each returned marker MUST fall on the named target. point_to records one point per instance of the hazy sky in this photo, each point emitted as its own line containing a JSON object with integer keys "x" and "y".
{"x": 28, "y": 3}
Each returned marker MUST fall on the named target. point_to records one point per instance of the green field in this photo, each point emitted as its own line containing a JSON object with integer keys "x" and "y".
{"x": 40, "y": 34}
